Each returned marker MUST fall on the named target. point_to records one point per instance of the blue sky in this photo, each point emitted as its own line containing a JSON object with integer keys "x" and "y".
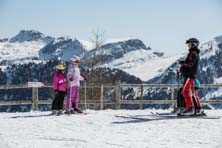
{"x": 161, "y": 24}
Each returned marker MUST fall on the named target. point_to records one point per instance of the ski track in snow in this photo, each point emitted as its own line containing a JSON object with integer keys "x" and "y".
{"x": 101, "y": 129}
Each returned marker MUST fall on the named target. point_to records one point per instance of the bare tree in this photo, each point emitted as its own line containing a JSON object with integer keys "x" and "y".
{"x": 98, "y": 39}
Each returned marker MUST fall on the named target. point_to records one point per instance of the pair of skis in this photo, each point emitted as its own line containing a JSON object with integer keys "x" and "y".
{"x": 75, "y": 113}
{"x": 162, "y": 116}
{"x": 170, "y": 114}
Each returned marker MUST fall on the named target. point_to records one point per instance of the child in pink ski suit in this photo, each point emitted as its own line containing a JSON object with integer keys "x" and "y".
{"x": 74, "y": 78}
{"x": 59, "y": 86}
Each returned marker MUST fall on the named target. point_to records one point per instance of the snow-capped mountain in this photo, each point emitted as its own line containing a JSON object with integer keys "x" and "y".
{"x": 132, "y": 56}
{"x": 129, "y": 55}
{"x": 30, "y": 35}
{"x": 116, "y": 50}
{"x": 22, "y": 48}
{"x": 144, "y": 64}
{"x": 63, "y": 48}
{"x": 112, "y": 51}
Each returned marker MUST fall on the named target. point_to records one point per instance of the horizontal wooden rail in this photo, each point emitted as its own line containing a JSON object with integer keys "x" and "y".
{"x": 101, "y": 102}
{"x": 113, "y": 86}
{"x": 49, "y": 102}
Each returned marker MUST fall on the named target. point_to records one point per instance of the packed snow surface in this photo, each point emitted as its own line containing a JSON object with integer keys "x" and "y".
{"x": 101, "y": 129}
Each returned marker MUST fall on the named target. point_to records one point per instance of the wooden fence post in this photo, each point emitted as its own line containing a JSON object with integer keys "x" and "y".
{"x": 117, "y": 95}
{"x": 101, "y": 98}
{"x": 141, "y": 97}
{"x": 35, "y": 98}
{"x": 85, "y": 96}
{"x": 172, "y": 96}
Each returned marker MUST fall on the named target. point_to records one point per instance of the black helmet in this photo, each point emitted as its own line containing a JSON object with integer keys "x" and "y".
{"x": 194, "y": 42}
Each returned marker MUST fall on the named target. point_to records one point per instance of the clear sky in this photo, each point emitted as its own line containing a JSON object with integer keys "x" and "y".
{"x": 161, "y": 24}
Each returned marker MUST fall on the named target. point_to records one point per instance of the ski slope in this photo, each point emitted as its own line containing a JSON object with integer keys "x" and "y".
{"x": 101, "y": 129}
{"x": 143, "y": 63}
{"x": 20, "y": 51}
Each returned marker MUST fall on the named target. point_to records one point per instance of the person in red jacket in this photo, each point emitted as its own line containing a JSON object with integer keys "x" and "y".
{"x": 60, "y": 88}
{"x": 189, "y": 69}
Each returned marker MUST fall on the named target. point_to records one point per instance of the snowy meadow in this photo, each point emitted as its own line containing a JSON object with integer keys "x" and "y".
{"x": 99, "y": 129}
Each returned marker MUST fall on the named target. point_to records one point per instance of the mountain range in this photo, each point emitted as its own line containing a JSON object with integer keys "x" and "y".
{"x": 129, "y": 55}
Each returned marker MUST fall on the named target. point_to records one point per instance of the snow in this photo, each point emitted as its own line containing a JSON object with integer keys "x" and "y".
{"x": 101, "y": 129}
{"x": 210, "y": 48}
{"x": 16, "y": 51}
{"x": 218, "y": 39}
{"x": 87, "y": 45}
{"x": 217, "y": 93}
{"x": 214, "y": 94}
{"x": 3, "y": 68}
{"x": 64, "y": 38}
{"x": 117, "y": 40}
{"x": 143, "y": 63}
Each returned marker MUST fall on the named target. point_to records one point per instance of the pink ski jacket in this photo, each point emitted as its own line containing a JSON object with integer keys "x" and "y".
{"x": 59, "y": 82}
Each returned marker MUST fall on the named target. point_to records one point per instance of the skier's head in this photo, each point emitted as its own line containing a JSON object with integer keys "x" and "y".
{"x": 75, "y": 60}
{"x": 192, "y": 43}
{"x": 60, "y": 68}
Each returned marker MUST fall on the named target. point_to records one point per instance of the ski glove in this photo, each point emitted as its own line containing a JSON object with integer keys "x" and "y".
{"x": 181, "y": 62}
{"x": 71, "y": 79}
{"x": 84, "y": 77}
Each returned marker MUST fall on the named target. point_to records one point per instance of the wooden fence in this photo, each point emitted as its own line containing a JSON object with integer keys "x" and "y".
{"x": 117, "y": 101}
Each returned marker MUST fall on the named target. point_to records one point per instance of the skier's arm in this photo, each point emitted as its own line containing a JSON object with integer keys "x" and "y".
{"x": 81, "y": 78}
{"x": 55, "y": 83}
{"x": 70, "y": 76}
{"x": 191, "y": 60}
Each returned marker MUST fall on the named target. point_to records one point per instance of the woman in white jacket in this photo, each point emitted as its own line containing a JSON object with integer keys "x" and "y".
{"x": 74, "y": 78}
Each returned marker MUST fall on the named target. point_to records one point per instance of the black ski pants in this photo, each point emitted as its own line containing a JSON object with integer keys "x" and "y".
{"x": 57, "y": 103}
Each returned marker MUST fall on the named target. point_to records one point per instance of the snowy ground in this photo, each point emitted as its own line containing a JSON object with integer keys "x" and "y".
{"x": 101, "y": 129}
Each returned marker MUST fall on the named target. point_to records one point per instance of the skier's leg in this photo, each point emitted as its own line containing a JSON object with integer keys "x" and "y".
{"x": 195, "y": 102}
{"x": 61, "y": 100}
{"x": 55, "y": 102}
{"x": 198, "y": 106}
{"x": 187, "y": 94}
{"x": 197, "y": 99}
{"x": 72, "y": 99}
{"x": 76, "y": 100}
{"x": 180, "y": 99}
{"x": 68, "y": 101}
{"x": 76, "y": 97}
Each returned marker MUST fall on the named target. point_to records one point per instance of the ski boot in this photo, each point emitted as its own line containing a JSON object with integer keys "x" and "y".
{"x": 60, "y": 112}
{"x": 188, "y": 112}
{"x": 200, "y": 112}
{"x": 78, "y": 110}
{"x": 54, "y": 112}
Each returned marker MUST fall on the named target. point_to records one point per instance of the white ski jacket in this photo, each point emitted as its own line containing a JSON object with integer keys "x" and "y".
{"x": 73, "y": 75}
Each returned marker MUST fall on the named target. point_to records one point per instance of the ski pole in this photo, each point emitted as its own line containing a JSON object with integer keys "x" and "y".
{"x": 70, "y": 97}
{"x": 85, "y": 94}
{"x": 178, "y": 87}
